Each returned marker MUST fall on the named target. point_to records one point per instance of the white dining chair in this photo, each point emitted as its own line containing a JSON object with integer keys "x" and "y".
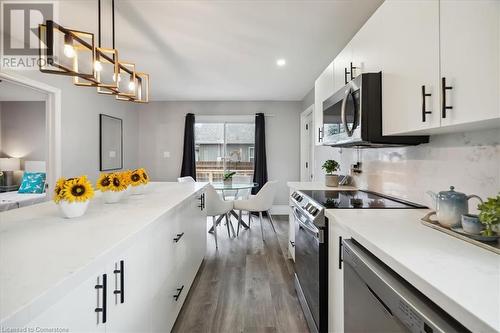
{"x": 261, "y": 202}
{"x": 187, "y": 179}
{"x": 215, "y": 206}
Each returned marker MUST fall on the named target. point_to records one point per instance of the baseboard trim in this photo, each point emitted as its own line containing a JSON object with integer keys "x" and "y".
{"x": 280, "y": 210}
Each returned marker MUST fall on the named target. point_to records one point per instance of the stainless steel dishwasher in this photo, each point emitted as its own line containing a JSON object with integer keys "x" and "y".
{"x": 376, "y": 299}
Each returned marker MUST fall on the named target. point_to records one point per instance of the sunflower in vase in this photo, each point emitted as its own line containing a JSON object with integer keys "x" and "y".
{"x": 112, "y": 185}
{"x": 73, "y": 195}
{"x": 138, "y": 180}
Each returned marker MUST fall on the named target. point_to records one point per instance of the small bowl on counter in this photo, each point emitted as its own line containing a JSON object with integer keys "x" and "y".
{"x": 471, "y": 224}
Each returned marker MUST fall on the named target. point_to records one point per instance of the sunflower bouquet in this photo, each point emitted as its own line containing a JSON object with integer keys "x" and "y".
{"x": 112, "y": 186}
{"x": 73, "y": 195}
{"x": 138, "y": 179}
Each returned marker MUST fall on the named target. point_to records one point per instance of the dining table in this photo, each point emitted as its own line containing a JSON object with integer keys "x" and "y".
{"x": 235, "y": 187}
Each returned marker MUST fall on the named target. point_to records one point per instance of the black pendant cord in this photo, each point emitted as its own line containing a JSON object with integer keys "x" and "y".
{"x": 113, "y": 20}
{"x": 99, "y": 23}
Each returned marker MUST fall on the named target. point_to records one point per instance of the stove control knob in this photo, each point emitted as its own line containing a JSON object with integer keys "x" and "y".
{"x": 299, "y": 198}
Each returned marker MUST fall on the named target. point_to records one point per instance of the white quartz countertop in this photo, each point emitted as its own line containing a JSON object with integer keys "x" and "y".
{"x": 41, "y": 251}
{"x": 318, "y": 186}
{"x": 460, "y": 277}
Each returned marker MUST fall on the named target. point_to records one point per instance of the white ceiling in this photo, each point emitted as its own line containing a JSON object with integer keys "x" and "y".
{"x": 14, "y": 92}
{"x": 227, "y": 50}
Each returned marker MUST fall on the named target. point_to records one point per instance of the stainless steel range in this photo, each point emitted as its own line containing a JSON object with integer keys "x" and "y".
{"x": 311, "y": 243}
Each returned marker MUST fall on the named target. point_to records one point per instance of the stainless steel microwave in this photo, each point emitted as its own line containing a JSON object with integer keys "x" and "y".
{"x": 352, "y": 117}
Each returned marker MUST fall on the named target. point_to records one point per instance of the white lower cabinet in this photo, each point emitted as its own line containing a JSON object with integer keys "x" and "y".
{"x": 336, "y": 234}
{"x": 146, "y": 284}
{"x": 76, "y": 311}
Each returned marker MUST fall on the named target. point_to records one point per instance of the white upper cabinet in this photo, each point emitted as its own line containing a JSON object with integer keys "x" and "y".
{"x": 401, "y": 41}
{"x": 470, "y": 42}
{"x": 342, "y": 68}
{"x": 323, "y": 88}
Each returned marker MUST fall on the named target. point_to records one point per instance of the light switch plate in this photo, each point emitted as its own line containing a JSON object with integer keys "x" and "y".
{"x": 166, "y": 154}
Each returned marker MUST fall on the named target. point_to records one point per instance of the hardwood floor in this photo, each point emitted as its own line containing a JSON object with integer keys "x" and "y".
{"x": 245, "y": 286}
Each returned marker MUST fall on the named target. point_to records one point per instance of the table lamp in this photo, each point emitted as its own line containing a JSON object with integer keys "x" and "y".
{"x": 7, "y": 167}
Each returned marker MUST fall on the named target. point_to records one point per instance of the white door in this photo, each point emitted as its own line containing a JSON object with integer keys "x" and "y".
{"x": 130, "y": 274}
{"x": 76, "y": 311}
{"x": 342, "y": 68}
{"x": 306, "y": 145}
{"x": 323, "y": 88}
{"x": 401, "y": 39}
{"x": 470, "y": 42}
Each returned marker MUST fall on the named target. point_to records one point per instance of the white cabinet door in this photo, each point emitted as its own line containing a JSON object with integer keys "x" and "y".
{"x": 131, "y": 312}
{"x": 336, "y": 278}
{"x": 401, "y": 39}
{"x": 76, "y": 311}
{"x": 342, "y": 68}
{"x": 470, "y": 41}
{"x": 323, "y": 88}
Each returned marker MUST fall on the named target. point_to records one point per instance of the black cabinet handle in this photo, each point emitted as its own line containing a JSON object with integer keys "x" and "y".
{"x": 292, "y": 243}
{"x": 104, "y": 288}
{"x": 424, "y": 111}
{"x": 320, "y": 134}
{"x": 352, "y": 71}
{"x": 179, "y": 292}
{"x": 340, "y": 252}
{"x": 202, "y": 201}
{"x": 443, "y": 92}
{"x": 121, "y": 291}
{"x": 178, "y": 237}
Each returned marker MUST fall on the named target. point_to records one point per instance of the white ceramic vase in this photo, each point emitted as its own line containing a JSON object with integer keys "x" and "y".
{"x": 71, "y": 210}
{"x": 111, "y": 197}
{"x": 139, "y": 189}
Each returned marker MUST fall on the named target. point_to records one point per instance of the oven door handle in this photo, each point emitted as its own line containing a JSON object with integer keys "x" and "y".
{"x": 304, "y": 226}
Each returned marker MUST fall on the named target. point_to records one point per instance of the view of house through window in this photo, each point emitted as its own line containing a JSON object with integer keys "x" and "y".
{"x": 223, "y": 147}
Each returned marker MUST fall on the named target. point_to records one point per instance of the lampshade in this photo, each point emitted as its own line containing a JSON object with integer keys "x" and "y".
{"x": 10, "y": 164}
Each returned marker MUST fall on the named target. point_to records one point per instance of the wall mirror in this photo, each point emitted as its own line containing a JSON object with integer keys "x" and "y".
{"x": 111, "y": 143}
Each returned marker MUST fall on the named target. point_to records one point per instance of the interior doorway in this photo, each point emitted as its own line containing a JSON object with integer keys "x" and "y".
{"x": 306, "y": 145}
{"x": 22, "y": 89}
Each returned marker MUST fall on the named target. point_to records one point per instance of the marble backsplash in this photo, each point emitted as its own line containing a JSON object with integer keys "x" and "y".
{"x": 470, "y": 161}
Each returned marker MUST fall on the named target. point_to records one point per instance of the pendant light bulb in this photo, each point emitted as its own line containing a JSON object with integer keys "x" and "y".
{"x": 97, "y": 66}
{"x": 131, "y": 85}
{"x": 69, "y": 50}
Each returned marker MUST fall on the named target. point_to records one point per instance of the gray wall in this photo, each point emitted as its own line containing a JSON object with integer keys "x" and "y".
{"x": 161, "y": 128}
{"x": 23, "y": 130}
{"x": 308, "y": 99}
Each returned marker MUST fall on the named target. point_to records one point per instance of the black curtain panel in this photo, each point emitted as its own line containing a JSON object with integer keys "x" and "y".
{"x": 188, "y": 158}
{"x": 260, "y": 160}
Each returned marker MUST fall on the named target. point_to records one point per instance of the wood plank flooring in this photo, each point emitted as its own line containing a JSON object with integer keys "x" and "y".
{"x": 245, "y": 286}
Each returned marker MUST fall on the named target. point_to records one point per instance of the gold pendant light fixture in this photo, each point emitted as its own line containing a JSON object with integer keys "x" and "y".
{"x": 70, "y": 52}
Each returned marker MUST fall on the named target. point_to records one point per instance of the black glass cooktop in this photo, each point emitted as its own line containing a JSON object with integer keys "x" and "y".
{"x": 357, "y": 199}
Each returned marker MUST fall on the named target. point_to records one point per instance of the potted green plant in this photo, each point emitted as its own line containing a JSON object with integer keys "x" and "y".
{"x": 331, "y": 179}
{"x": 489, "y": 215}
{"x": 228, "y": 177}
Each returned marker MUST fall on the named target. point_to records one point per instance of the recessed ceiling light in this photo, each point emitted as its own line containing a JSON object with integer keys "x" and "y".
{"x": 281, "y": 62}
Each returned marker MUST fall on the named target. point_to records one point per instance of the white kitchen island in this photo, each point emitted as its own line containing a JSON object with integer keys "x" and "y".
{"x": 50, "y": 266}
{"x": 461, "y": 278}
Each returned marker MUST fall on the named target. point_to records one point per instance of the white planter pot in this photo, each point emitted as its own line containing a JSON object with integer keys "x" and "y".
{"x": 71, "y": 210}
{"x": 110, "y": 197}
{"x": 332, "y": 180}
{"x": 139, "y": 189}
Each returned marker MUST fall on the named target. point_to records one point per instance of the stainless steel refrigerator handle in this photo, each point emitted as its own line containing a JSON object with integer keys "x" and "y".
{"x": 347, "y": 92}
{"x": 306, "y": 227}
